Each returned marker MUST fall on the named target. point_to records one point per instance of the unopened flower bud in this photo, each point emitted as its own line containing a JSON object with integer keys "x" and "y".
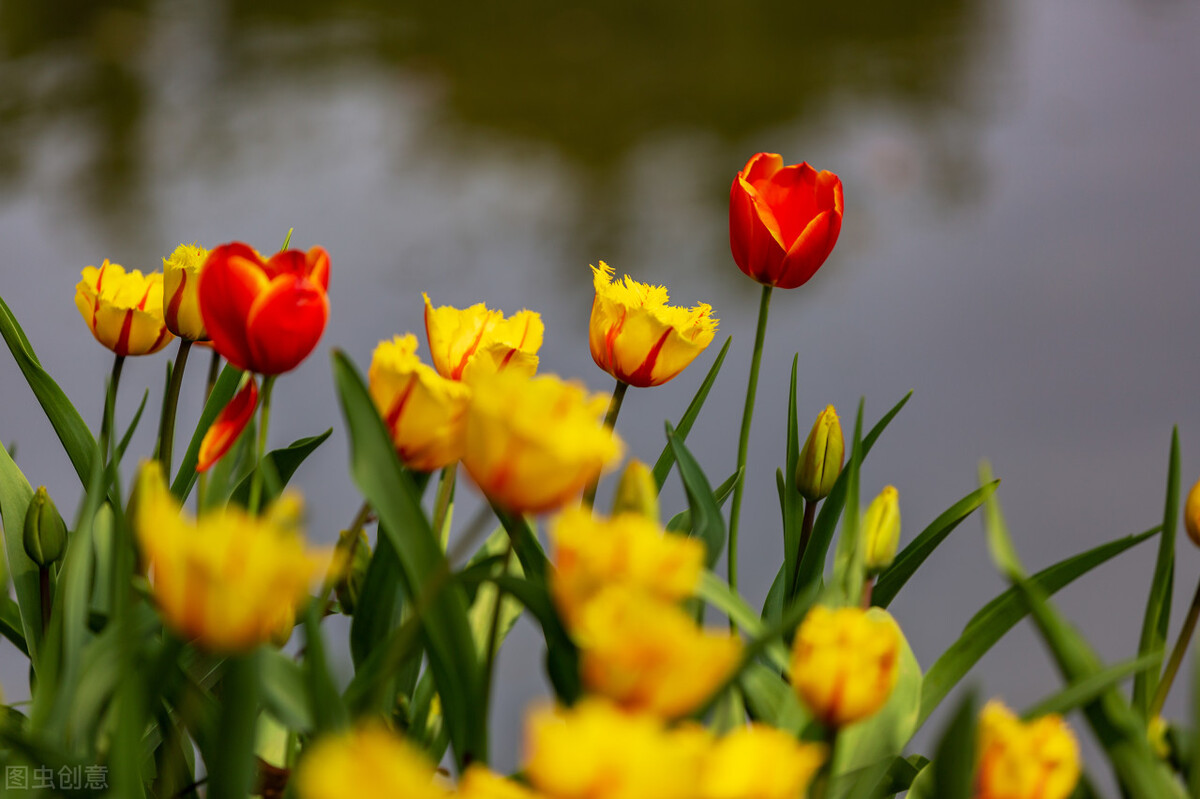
{"x": 821, "y": 457}
{"x": 354, "y": 573}
{"x": 881, "y": 530}
{"x": 637, "y": 492}
{"x": 45, "y": 532}
{"x": 1191, "y": 514}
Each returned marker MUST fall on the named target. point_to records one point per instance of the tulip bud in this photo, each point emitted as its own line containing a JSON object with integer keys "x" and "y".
{"x": 1191, "y": 514}
{"x": 821, "y": 457}
{"x": 354, "y": 573}
{"x": 881, "y": 530}
{"x": 637, "y": 492}
{"x": 45, "y": 532}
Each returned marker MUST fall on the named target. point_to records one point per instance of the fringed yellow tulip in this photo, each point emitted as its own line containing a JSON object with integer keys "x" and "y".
{"x": 229, "y": 581}
{"x": 532, "y": 444}
{"x": 595, "y": 751}
{"x": 845, "y": 663}
{"x": 639, "y": 339}
{"x": 592, "y": 553}
{"x": 181, "y": 291}
{"x": 650, "y": 655}
{"x": 124, "y": 310}
{"x": 423, "y": 410}
{"x": 366, "y": 762}
{"x": 760, "y": 762}
{"x": 1034, "y": 760}
{"x": 480, "y": 783}
{"x": 469, "y": 342}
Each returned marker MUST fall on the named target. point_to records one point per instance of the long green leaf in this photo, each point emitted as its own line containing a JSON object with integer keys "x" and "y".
{"x": 715, "y": 591}
{"x": 771, "y": 700}
{"x": 913, "y": 555}
{"x": 222, "y": 393}
{"x": 682, "y": 522}
{"x": 381, "y": 603}
{"x": 791, "y": 503}
{"x": 1001, "y": 614}
{"x": 439, "y": 603}
{"x": 10, "y": 624}
{"x": 285, "y": 693}
{"x": 15, "y": 495}
{"x": 283, "y": 464}
{"x": 846, "y": 588}
{"x": 1156, "y": 622}
{"x": 137, "y": 417}
{"x": 662, "y": 467}
{"x": 954, "y": 758}
{"x": 72, "y": 431}
{"x": 1081, "y": 692}
{"x": 707, "y": 523}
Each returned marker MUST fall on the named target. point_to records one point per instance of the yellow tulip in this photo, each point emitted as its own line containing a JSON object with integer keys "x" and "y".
{"x": 760, "y": 762}
{"x": 365, "y": 762}
{"x": 649, "y": 655}
{"x": 181, "y": 291}
{"x": 423, "y": 410}
{"x": 637, "y": 492}
{"x": 881, "y": 530}
{"x": 229, "y": 581}
{"x": 821, "y": 456}
{"x": 532, "y": 444}
{"x": 1018, "y": 760}
{"x": 639, "y": 339}
{"x": 1191, "y": 514}
{"x": 596, "y": 751}
{"x": 124, "y": 310}
{"x": 845, "y": 663}
{"x": 591, "y": 553}
{"x": 469, "y": 342}
{"x": 481, "y": 783}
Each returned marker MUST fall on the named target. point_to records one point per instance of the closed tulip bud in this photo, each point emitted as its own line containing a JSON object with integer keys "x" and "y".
{"x": 349, "y": 587}
{"x": 181, "y": 291}
{"x": 821, "y": 457}
{"x": 1191, "y": 514}
{"x": 45, "y": 532}
{"x": 881, "y": 530}
{"x": 637, "y": 492}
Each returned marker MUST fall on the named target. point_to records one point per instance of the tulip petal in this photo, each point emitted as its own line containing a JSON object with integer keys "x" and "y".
{"x": 318, "y": 266}
{"x": 228, "y": 426}
{"x": 762, "y": 166}
{"x": 810, "y": 250}
{"x": 232, "y": 278}
{"x": 285, "y": 323}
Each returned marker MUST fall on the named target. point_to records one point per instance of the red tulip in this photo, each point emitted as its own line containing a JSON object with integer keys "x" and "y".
{"x": 264, "y": 316}
{"x": 783, "y": 220}
{"x": 228, "y": 425}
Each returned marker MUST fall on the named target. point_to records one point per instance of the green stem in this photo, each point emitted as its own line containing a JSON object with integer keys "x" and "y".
{"x": 44, "y": 584}
{"x": 493, "y": 645}
{"x": 820, "y": 788}
{"x": 1181, "y": 646}
{"x": 110, "y": 401}
{"x": 744, "y": 440}
{"x": 166, "y": 427}
{"x": 261, "y": 450}
{"x": 806, "y": 528}
{"x": 610, "y": 421}
{"x": 443, "y": 505}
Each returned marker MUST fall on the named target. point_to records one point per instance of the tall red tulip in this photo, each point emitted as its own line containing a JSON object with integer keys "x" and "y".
{"x": 783, "y": 220}
{"x": 264, "y": 316}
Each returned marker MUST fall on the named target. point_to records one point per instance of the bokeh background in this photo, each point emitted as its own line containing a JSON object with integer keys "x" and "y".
{"x": 1019, "y": 241}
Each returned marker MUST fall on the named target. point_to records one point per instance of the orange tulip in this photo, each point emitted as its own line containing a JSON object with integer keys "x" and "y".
{"x": 264, "y": 316}
{"x": 783, "y": 220}
{"x": 228, "y": 425}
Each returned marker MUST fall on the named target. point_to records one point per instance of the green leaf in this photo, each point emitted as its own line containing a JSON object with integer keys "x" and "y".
{"x": 525, "y": 544}
{"x": 15, "y": 495}
{"x": 954, "y": 758}
{"x": 285, "y": 690}
{"x": 232, "y": 773}
{"x": 1081, "y": 692}
{"x": 1156, "y": 622}
{"x": 846, "y": 588}
{"x": 137, "y": 417}
{"x": 483, "y": 606}
{"x": 791, "y": 503}
{"x": 682, "y": 522}
{"x": 10, "y": 624}
{"x": 380, "y": 606}
{"x": 283, "y": 464}
{"x": 438, "y": 602}
{"x": 771, "y": 700}
{"x": 662, "y": 467}
{"x": 328, "y": 711}
{"x": 913, "y": 555}
{"x": 72, "y": 431}
{"x": 223, "y": 391}
{"x": 716, "y": 592}
{"x": 707, "y": 522}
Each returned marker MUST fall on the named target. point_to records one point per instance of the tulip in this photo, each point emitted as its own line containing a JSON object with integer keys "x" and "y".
{"x": 423, "y": 410}
{"x": 760, "y": 762}
{"x": 639, "y": 339}
{"x": 637, "y": 492}
{"x": 181, "y": 292}
{"x": 264, "y": 316}
{"x": 1024, "y": 760}
{"x": 881, "y": 530}
{"x": 364, "y": 762}
{"x": 479, "y": 782}
{"x": 783, "y": 220}
{"x": 532, "y": 444}
{"x": 228, "y": 425}
{"x": 45, "y": 536}
{"x": 845, "y": 663}
{"x": 1191, "y": 514}
{"x": 229, "y": 581}
{"x": 821, "y": 457}
{"x": 469, "y": 342}
{"x": 124, "y": 310}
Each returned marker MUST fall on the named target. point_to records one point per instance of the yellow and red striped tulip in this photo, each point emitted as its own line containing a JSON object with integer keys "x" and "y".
{"x": 124, "y": 310}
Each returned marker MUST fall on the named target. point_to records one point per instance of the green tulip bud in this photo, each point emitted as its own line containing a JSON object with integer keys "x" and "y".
{"x": 637, "y": 492}
{"x": 821, "y": 457}
{"x": 349, "y": 586}
{"x": 881, "y": 530}
{"x": 45, "y": 532}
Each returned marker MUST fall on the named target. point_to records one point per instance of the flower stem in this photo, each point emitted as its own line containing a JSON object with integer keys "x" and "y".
{"x": 44, "y": 585}
{"x": 820, "y": 788}
{"x": 806, "y": 528}
{"x": 261, "y": 450}
{"x": 610, "y": 421}
{"x": 1181, "y": 646}
{"x": 744, "y": 440}
{"x": 493, "y": 645}
{"x": 110, "y": 401}
{"x": 443, "y": 505}
{"x": 214, "y": 371}
{"x": 166, "y": 427}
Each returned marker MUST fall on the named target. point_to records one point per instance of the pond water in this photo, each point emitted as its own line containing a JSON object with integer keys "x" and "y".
{"x": 1018, "y": 247}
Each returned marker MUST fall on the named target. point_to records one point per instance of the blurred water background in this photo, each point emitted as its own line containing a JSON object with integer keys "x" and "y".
{"x": 1019, "y": 240}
